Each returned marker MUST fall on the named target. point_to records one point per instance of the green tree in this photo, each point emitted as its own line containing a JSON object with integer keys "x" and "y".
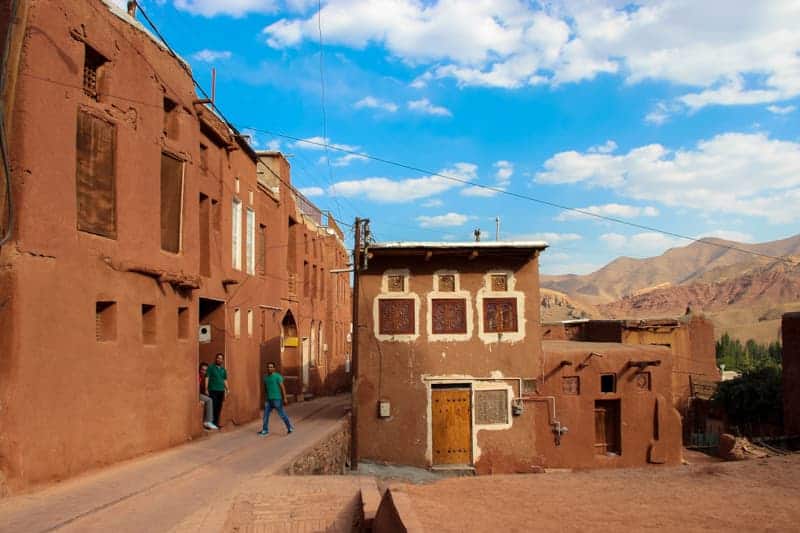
{"x": 753, "y": 399}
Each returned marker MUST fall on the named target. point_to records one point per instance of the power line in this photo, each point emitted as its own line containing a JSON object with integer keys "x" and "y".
{"x": 528, "y": 197}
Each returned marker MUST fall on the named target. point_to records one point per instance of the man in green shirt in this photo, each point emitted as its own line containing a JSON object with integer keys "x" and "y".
{"x": 276, "y": 399}
{"x": 217, "y": 385}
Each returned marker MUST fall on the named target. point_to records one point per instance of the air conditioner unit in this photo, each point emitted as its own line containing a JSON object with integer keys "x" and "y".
{"x": 204, "y": 333}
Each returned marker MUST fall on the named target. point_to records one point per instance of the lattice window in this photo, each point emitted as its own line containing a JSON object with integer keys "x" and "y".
{"x": 499, "y": 282}
{"x": 93, "y": 62}
{"x": 449, "y": 315}
{"x": 571, "y": 385}
{"x": 171, "y": 203}
{"x": 396, "y": 283}
{"x": 447, "y": 283}
{"x": 500, "y": 315}
{"x": 396, "y": 317}
{"x": 491, "y": 407}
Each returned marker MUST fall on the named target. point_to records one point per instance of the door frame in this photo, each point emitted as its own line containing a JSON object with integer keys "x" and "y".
{"x": 457, "y": 385}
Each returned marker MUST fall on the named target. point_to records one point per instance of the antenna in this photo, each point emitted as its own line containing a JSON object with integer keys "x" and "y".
{"x": 497, "y": 228}
{"x": 477, "y": 234}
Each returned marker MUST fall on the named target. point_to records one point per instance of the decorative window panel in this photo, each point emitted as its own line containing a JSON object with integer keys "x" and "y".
{"x": 396, "y": 283}
{"x": 95, "y": 177}
{"x": 447, "y": 283}
{"x": 171, "y": 203}
{"x": 449, "y": 315}
{"x": 529, "y": 386}
{"x": 499, "y": 282}
{"x": 571, "y": 385}
{"x": 642, "y": 381}
{"x": 396, "y": 317}
{"x": 500, "y": 315}
{"x": 92, "y": 63}
{"x": 491, "y": 407}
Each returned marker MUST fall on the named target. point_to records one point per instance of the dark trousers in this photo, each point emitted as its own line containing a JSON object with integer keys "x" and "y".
{"x": 217, "y": 397}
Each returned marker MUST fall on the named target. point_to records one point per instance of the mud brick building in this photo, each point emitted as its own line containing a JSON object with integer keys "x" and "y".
{"x": 453, "y": 372}
{"x": 148, "y": 236}
{"x": 790, "y": 330}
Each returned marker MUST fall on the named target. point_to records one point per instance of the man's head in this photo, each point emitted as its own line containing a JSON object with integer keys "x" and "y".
{"x": 220, "y": 360}
{"x": 270, "y": 368}
{"x": 203, "y": 368}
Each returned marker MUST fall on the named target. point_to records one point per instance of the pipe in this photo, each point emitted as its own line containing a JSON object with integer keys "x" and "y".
{"x": 271, "y": 307}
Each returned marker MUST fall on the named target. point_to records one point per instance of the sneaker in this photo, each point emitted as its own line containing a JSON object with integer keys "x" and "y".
{"x": 215, "y": 428}
{"x": 263, "y": 433}
{"x": 209, "y": 425}
{"x": 290, "y": 430}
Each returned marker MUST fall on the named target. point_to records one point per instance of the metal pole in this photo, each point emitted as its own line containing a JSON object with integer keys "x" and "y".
{"x": 354, "y": 347}
{"x": 497, "y": 228}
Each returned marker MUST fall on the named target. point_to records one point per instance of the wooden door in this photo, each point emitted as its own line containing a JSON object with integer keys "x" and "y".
{"x": 451, "y": 426}
{"x": 607, "y": 427}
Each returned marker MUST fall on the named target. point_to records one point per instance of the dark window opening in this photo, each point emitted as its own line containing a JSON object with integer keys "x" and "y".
{"x": 171, "y": 203}
{"x": 105, "y": 316}
{"x": 306, "y": 279}
{"x": 608, "y": 383}
{"x": 95, "y": 176}
{"x": 148, "y": 324}
{"x": 204, "y": 224}
{"x": 500, "y": 315}
{"x": 396, "y": 317}
{"x": 607, "y": 436}
{"x": 183, "y": 322}
{"x": 93, "y": 62}
{"x": 261, "y": 250}
{"x": 170, "y": 118}
{"x": 448, "y": 316}
{"x": 203, "y": 157}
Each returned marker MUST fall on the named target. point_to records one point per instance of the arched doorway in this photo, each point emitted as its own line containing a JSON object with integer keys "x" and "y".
{"x": 291, "y": 365}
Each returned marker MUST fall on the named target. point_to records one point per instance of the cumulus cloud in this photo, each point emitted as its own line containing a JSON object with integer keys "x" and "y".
{"x": 233, "y": 8}
{"x": 641, "y": 244}
{"x": 449, "y": 220}
{"x": 742, "y": 173}
{"x": 750, "y": 55}
{"x": 312, "y": 191}
{"x": 605, "y": 148}
{"x": 318, "y": 144}
{"x": 370, "y": 102}
{"x": 781, "y": 110}
{"x": 424, "y": 106}
{"x": 502, "y": 179}
{"x": 609, "y": 210}
{"x": 211, "y": 56}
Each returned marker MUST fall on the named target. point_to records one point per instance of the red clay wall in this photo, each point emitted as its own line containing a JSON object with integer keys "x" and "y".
{"x": 790, "y": 328}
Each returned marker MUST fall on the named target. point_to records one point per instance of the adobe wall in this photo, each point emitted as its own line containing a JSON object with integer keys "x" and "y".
{"x": 402, "y": 370}
{"x": 329, "y": 456}
{"x": 790, "y": 328}
{"x": 650, "y": 426}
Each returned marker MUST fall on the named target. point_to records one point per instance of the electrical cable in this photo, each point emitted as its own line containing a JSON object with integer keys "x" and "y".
{"x": 10, "y": 217}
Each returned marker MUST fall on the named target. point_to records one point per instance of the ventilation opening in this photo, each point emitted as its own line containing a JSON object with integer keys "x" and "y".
{"x": 92, "y": 69}
{"x": 148, "y": 324}
{"x": 608, "y": 383}
{"x": 105, "y": 315}
{"x": 170, "y": 118}
{"x": 183, "y": 322}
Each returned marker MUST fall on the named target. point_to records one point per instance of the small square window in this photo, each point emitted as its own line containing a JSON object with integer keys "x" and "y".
{"x": 397, "y": 283}
{"x": 148, "y": 324}
{"x": 105, "y": 316}
{"x": 499, "y": 282}
{"x": 183, "y": 322}
{"x": 447, "y": 283}
{"x": 608, "y": 383}
{"x": 571, "y": 385}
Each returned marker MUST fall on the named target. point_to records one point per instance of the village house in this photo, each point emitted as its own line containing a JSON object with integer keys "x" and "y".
{"x": 453, "y": 373}
{"x": 790, "y": 331}
{"x": 148, "y": 236}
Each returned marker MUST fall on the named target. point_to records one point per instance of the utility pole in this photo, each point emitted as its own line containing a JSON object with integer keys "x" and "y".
{"x": 497, "y": 228}
{"x": 358, "y": 262}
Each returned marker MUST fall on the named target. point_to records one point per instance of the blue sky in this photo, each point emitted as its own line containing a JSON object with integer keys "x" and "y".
{"x": 674, "y": 114}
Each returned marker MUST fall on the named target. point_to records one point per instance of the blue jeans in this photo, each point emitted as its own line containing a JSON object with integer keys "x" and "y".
{"x": 277, "y": 405}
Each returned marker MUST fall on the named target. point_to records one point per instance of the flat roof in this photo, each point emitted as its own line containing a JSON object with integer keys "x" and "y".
{"x": 486, "y": 245}
{"x": 580, "y": 347}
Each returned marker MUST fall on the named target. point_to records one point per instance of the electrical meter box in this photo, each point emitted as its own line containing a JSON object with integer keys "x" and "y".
{"x": 384, "y": 409}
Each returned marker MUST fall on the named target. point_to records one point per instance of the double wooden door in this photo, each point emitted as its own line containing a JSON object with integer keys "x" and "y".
{"x": 452, "y": 426}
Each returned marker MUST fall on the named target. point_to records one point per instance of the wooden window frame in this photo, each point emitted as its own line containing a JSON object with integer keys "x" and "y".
{"x": 436, "y": 304}
{"x": 385, "y": 328}
{"x": 487, "y": 302}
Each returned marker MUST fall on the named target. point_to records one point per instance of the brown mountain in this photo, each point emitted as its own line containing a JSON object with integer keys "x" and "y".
{"x": 744, "y": 294}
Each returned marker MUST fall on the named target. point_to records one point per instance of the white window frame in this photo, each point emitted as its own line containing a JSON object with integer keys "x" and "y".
{"x": 249, "y": 322}
{"x": 250, "y": 243}
{"x": 236, "y": 235}
{"x": 237, "y": 323}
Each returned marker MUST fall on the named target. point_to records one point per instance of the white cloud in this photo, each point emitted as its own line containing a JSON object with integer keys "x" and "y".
{"x": 505, "y": 170}
{"x": 728, "y": 235}
{"x": 609, "y": 210}
{"x": 233, "y": 8}
{"x": 739, "y": 173}
{"x": 778, "y": 110}
{"x": 274, "y": 145}
{"x": 345, "y": 160}
{"x": 319, "y": 142}
{"x": 605, "y": 148}
{"x": 723, "y": 52}
{"x": 449, "y": 220}
{"x": 502, "y": 176}
{"x": 370, "y": 102}
{"x": 479, "y": 192}
{"x": 433, "y": 203}
{"x": 312, "y": 191}
{"x": 549, "y": 237}
{"x": 212, "y": 56}
{"x": 423, "y": 105}
{"x": 641, "y": 244}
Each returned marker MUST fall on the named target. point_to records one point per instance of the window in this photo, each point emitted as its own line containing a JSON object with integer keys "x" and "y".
{"x": 500, "y": 315}
{"x": 249, "y": 322}
{"x": 105, "y": 317}
{"x": 396, "y": 283}
{"x": 93, "y": 62}
{"x": 204, "y": 226}
{"x": 171, "y": 203}
{"x": 250, "y": 245}
{"x": 203, "y": 157}
{"x": 449, "y": 315}
{"x": 148, "y": 324}
{"x": 236, "y": 237}
{"x": 237, "y": 323}
{"x": 608, "y": 383}
{"x": 499, "y": 282}
{"x": 607, "y": 435}
{"x": 571, "y": 385}
{"x": 170, "y": 118}
{"x": 306, "y": 279}
{"x": 183, "y": 323}
{"x": 261, "y": 250}
{"x": 95, "y": 177}
{"x": 396, "y": 317}
{"x": 447, "y": 283}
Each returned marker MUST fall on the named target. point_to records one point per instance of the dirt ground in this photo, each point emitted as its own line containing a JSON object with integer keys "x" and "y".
{"x": 755, "y": 495}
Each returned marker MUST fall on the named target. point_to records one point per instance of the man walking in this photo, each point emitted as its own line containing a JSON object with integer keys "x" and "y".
{"x": 217, "y": 385}
{"x": 276, "y": 399}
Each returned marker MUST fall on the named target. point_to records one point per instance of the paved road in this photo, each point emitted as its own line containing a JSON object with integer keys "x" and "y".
{"x": 161, "y": 491}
